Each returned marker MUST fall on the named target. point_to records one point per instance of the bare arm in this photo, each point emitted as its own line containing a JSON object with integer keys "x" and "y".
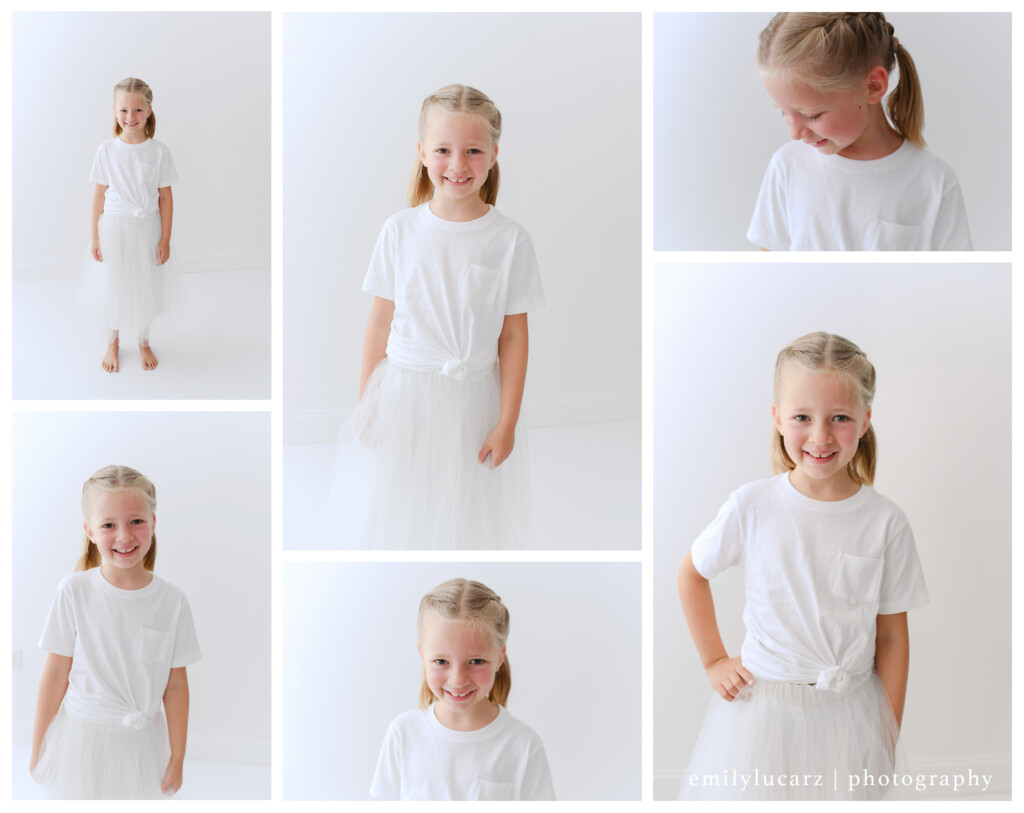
{"x": 176, "y": 709}
{"x": 513, "y": 350}
{"x": 726, "y": 675}
{"x": 375, "y": 341}
{"x": 892, "y": 659}
{"x": 166, "y": 204}
{"x": 53, "y": 685}
{"x": 98, "y": 193}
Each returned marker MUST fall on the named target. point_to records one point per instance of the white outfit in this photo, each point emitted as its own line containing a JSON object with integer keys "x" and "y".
{"x": 907, "y": 201}
{"x": 407, "y": 474}
{"x": 129, "y": 287}
{"x": 109, "y": 739}
{"x": 423, "y": 760}
{"x": 817, "y": 574}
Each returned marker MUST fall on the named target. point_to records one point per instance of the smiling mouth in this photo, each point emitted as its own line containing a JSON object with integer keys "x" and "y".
{"x": 459, "y": 695}
{"x": 821, "y": 457}
{"x": 457, "y": 181}
{"x": 127, "y": 552}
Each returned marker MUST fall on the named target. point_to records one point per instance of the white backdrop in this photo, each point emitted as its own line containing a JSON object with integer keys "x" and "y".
{"x": 212, "y": 475}
{"x": 939, "y": 337}
{"x": 351, "y": 666}
{"x": 715, "y": 127}
{"x": 568, "y": 87}
{"x": 210, "y": 76}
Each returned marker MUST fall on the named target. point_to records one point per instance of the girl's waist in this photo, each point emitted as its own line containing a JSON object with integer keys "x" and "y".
{"x": 129, "y": 211}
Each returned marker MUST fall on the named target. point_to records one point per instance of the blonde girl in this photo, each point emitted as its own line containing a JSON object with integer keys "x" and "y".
{"x": 461, "y": 743}
{"x": 830, "y": 571}
{"x": 128, "y": 277}
{"x": 427, "y": 460}
{"x": 119, "y": 639}
{"x": 854, "y": 179}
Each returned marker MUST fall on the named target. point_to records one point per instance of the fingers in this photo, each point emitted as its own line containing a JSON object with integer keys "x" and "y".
{"x": 484, "y": 451}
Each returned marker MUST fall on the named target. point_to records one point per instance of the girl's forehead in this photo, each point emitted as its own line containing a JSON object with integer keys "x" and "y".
{"x": 124, "y": 499}
{"x": 442, "y": 124}
{"x": 800, "y": 383}
{"x": 131, "y": 99}
{"x": 790, "y": 94}
{"x": 438, "y": 631}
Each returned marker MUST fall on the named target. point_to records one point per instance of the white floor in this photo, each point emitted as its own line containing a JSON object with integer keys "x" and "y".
{"x": 585, "y": 487}
{"x": 223, "y": 351}
{"x": 203, "y": 780}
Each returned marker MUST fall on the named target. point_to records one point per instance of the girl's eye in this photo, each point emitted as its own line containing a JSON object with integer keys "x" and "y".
{"x": 477, "y": 661}
{"x": 841, "y": 418}
{"x": 138, "y": 522}
{"x": 810, "y": 118}
{"x": 440, "y": 662}
{"x": 475, "y": 151}
{"x": 442, "y": 150}
{"x": 107, "y": 525}
{"x": 800, "y": 418}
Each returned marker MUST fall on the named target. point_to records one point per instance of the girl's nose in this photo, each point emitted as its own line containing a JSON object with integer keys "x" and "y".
{"x": 797, "y": 127}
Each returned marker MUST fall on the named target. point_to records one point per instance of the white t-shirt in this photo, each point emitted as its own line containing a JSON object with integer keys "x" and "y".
{"x": 452, "y": 285}
{"x": 133, "y": 174}
{"x": 123, "y": 643}
{"x": 907, "y": 201}
{"x": 817, "y": 574}
{"x": 423, "y": 760}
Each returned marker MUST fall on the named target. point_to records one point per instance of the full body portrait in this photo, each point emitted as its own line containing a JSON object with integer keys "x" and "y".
{"x": 857, "y": 176}
{"x": 462, "y": 743}
{"x": 129, "y": 276}
{"x": 112, "y": 708}
{"x": 811, "y": 707}
{"x": 430, "y": 459}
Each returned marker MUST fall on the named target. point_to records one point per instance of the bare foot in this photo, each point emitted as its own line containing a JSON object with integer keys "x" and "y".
{"x": 110, "y": 358}
{"x": 149, "y": 361}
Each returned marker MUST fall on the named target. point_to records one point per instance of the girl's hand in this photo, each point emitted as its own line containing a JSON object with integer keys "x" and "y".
{"x": 163, "y": 251}
{"x": 498, "y": 445}
{"x": 94, "y": 249}
{"x": 728, "y": 677}
{"x": 172, "y": 777}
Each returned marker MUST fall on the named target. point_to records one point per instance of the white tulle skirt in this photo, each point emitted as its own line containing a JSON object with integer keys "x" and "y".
{"x": 128, "y": 290}
{"x": 406, "y": 474}
{"x": 84, "y": 760}
{"x": 794, "y": 742}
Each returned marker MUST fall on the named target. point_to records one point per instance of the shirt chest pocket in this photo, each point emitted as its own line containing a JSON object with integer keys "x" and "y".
{"x": 858, "y": 579}
{"x": 152, "y": 646}
{"x": 886, "y": 236}
{"x": 479, "y": 284}
{"x": 487, "y": 791}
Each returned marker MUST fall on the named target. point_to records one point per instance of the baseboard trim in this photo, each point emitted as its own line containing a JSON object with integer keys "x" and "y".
{"x": 188, "y": 263}
{"x": 998, "y": 766}
{"x": 321, "y": 426}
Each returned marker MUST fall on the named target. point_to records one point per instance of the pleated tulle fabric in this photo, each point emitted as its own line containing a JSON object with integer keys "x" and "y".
{"x": 406, "y": 474}
{"x": 791, "y": 741}
{"x": 128, "y": 289}
{"x": 85, "y": 760}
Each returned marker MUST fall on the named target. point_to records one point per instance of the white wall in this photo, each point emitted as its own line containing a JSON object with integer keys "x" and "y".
{"x": 568, "y": 87}
{"x": 715, "y": 127}
{"x": 210, "y": 76}
{"x": 351, "y": 666}
{"x": 212, "y": 475}
{"x": 939, "y": 337}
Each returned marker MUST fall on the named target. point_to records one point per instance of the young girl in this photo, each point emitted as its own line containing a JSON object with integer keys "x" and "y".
{"x": 427, "y": 459}
{"x": 461, "y": 743}
{"x": 127, "y": 275}
{"x": 119, "y": 639}
{"x": 811, "y": 708}
{"x": 856, "y": 180}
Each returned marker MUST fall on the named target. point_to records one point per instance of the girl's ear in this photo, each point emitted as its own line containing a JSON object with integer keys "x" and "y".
{"x": 501, "y": 660}
{"x": 494, "y": 157}
{"x": 88, "y": 533}
{"x": 878, "y": 84}
{"x": 867, "y": 422}
{"x": 776, "y": 419}
{"x": 421, "y": 153}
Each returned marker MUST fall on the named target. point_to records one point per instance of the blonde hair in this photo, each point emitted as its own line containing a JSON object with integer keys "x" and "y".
{"x": 115, "y": 478}
{"x": 828, "y": 353}
{"x": 836, "y": 51}
{"x": 133, "y": 85}
{"x": 473, "y": 603}
{"x": 468, "y": 101}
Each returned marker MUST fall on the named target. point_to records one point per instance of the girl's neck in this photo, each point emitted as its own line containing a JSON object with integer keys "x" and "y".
{"x": 834, "y": 489}
{"x": 459, "y": 211}
{"x": 140, "y": 138}
{"x": 878, "y": 140}
{"x": 131, "y": 579}
{"x": 483, "y": 716}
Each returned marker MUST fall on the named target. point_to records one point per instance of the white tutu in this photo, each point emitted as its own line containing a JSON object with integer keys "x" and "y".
{"x": 406, "y": 474}
{"x": 85, "y": 760}
{"x": 129, "y": 289}
{"x": 791, "y": 741}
